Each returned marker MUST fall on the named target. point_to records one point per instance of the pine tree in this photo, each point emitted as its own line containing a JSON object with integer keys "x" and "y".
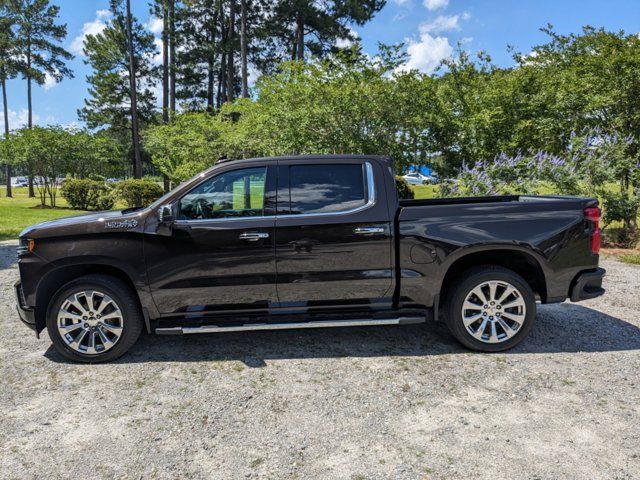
{"x": 110, "y": 85}
{"x": 297, "y": 26}
{"x": 161, "y": 10}
{"x": 38, "y": 37}
{"x": 199, "y": 33}
{"x": 243, "y": 48}
{"x": 9, "y": 68}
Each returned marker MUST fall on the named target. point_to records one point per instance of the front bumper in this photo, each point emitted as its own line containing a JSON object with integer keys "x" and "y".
{"x": 26, "y": 314}
{"x": 587, "y": 285}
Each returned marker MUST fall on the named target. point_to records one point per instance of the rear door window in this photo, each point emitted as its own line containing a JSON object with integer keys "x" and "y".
{"x": 328, "y": 188}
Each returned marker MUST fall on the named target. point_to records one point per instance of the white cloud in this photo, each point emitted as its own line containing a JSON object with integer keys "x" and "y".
{"x": 435, "y": 4}
{"x": 252, "y": 75}
{"x": 347, "y": 42}
{"x": 427, "y": 54}
{"x": 18, "y": 119}
{"x": 49, "y": 82}
{"x": 94, "y": 27}
{"x": 155, "y": 25}
{"x": 157, "y": 57}
{"x": 444, "y": 23}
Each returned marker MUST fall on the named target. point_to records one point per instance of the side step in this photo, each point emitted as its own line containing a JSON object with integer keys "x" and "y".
{"x": 291, "y": 325}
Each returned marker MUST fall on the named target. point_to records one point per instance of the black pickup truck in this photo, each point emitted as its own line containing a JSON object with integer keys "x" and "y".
{"x": 301, "y": 242}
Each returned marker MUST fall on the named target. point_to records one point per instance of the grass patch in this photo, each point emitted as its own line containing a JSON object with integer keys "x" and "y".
{"x": 20, "y": 211}
{"x": 632, "y": 258}
{"x": 425, "y": 191}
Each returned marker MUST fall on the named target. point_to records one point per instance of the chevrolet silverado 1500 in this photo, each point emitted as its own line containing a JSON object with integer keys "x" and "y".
{"x": 301, "y": 242}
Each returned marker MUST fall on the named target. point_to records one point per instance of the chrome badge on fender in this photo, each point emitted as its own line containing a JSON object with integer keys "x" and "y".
{"x": 122, "y": 224}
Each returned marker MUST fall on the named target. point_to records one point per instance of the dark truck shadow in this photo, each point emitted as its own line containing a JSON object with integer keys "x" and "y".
{"x": 8, "y": 255}
{"x": 559, "y": 328}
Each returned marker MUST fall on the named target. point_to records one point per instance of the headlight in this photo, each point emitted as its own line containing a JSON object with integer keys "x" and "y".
{"x": 25, "y": 246}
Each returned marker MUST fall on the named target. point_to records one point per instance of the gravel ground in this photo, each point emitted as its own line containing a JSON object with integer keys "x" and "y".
{"x": 382, "y": 402}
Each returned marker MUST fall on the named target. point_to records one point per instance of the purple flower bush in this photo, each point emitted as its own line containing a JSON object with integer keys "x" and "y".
{"x": 595, "y": 163}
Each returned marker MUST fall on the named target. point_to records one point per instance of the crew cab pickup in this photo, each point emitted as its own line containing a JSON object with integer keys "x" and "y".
{"x": 301, "y": 242}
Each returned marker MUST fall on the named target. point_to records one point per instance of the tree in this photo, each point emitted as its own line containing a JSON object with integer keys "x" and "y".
{"x": 243, "y": 48}
{"x": 172, "y": 53}
{"x": 201, "y": 32}
{"x": 48, "y": 153}
{"x": 595, "y": 79}
{"x": 10, "y": 65}
{"x": 135, "y": 134}
{"x": 343, "y": 104}
{"x": 38, "y": 37}
{"x": 112, "y": 88}
{"x": 295, "y": 26}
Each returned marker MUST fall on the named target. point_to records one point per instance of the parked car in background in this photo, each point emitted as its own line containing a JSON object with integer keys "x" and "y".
{"x": 17, "y": 182}
{"x": 415, "y": 178}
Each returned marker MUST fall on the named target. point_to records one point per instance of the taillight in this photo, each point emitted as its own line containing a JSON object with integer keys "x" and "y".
{"x": 593, "y": 214}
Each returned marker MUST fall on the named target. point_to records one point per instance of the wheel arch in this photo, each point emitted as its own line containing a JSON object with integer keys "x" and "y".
{"x": 55, "y": 279}
{"x": 520, "y": 261}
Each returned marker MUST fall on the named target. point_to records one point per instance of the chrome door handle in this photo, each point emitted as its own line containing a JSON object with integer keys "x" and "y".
{"x": 253, "y": 236}
{"x": 368, "y": 230}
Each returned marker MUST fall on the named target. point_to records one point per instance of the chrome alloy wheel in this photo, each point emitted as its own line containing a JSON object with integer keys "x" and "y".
{"x": 90, "y": 322}
{"x": 493, "y": 311}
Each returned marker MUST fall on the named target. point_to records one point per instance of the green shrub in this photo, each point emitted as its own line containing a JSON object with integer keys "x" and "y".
{"x": 138, "y": 192}
{"x": 404, "y": 189}
{"x": 85, "y": 194}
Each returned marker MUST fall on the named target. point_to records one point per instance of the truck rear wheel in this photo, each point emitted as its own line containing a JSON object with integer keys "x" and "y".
{"x": 491, "y": 309}
{"x": 95, "y": 318}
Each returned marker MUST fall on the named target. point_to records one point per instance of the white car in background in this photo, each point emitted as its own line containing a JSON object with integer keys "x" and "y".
{"x": 415, "y": 178}
{"x": 19, "y": 182}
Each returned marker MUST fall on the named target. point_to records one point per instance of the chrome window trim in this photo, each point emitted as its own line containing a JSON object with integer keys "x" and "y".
{"x": 371, "y": 201}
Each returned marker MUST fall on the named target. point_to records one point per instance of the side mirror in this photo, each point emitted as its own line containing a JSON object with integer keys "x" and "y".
{"x": 165, "y": 214}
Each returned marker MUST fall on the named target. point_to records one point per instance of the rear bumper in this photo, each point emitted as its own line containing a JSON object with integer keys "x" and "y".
{"x": 587, "y": 285}
{"x": 26, "y": 314}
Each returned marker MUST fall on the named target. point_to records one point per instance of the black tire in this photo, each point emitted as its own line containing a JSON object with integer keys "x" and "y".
{"x": 126, "y": 300}
{"x": 470, "y": 280}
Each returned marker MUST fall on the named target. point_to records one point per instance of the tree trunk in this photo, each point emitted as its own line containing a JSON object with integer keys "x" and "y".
{"x": 172, "y": 54}
{"x": 7, "y": 168}
{"x": 32, "y": 194}
{"x": 222, "y": 91}
{"x": 300, "y": 36}
{"x": 231, "y": 48}
{"x": 165, "y": 77}
{"x": 211, "y": 61}
{"x": 210, "y": 82}
{"x": 165, "y": 62}
{"x": 222, "y": 81}
{"x": 243, "y": 48}
{"x": 137, "y": 162}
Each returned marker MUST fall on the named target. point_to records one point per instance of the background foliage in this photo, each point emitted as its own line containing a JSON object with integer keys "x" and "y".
{"x": 565, "y": 118}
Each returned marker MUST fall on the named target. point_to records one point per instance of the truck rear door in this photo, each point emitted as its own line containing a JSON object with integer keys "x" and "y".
{"x": 333, "y": 234}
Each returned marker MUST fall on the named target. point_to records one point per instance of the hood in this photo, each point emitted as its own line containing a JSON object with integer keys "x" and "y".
{"x": 99, "y": 222}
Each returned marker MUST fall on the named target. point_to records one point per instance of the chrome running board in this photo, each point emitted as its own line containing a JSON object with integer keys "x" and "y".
{"x": 291, "y": 325}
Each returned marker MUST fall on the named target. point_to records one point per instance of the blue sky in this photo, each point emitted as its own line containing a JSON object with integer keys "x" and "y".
{"x": 430, "y": 28}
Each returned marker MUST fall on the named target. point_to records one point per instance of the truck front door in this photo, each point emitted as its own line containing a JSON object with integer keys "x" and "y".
{"x": 220, "y": 255}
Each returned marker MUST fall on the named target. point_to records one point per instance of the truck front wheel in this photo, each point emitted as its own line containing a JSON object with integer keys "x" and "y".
{"x": 95, "y": 318}
{"x": 491, "y": 309}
